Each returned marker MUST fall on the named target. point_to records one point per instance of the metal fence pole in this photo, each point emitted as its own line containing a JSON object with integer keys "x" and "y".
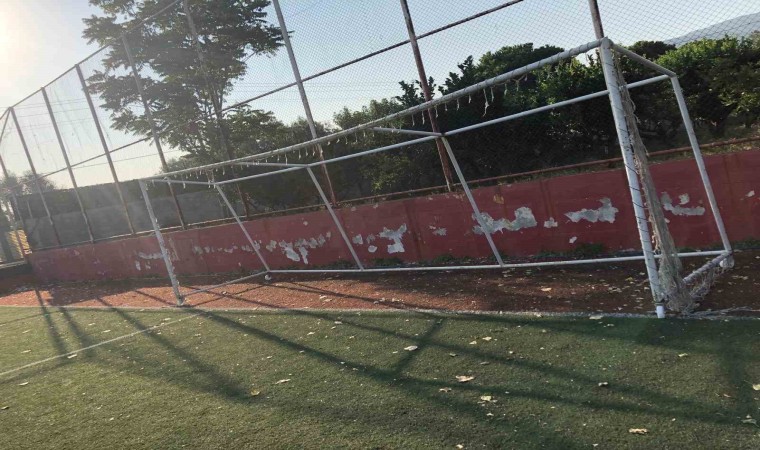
{"x": 13, "y": 201}
{"x": 596, "y": 18}
{"x": 426, "y": 92}
{"x": 103, "y": 142}
{"x": 161, "y": 243}
{"x": 242, "y": 227}
{"x": 35, "y": 176}
{"x": 304, "y": 98}
{"x": 215, "y": 101}
{"x": 471, "y": 199}
{"x": 153, "y": 130}
{"x": 68, "y": 164}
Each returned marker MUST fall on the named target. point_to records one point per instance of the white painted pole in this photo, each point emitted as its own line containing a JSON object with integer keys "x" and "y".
{"x": 729, "y": 262}
{"x": 162, "y": 244}
{"x": 471, "y": 199}
{"x": 626, "y": 147}
{"x": 242, "y": 227}
{"x": 335, "y": 218}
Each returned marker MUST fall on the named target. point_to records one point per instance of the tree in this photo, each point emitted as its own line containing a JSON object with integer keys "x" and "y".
{"x": 719, "y": 77}
{"x": 179, "y": 93}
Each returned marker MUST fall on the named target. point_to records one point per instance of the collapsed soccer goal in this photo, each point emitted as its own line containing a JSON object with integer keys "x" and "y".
{"x": 670, "y": 288}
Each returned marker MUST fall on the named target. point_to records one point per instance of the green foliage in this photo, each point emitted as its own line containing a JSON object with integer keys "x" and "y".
{"x": 177, "y": 89}
{"x": 720, "y": 77}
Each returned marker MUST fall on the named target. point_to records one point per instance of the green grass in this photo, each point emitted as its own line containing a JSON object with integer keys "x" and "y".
{"x": 352, "y": 384}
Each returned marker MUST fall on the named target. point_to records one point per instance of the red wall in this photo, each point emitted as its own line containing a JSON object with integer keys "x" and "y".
{"x": 224, "y": 248}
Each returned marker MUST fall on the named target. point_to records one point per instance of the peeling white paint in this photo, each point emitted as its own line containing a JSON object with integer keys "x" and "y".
{"x": 271, "y": 245}
{"x": 394, "y": 235}
{"x": 573, "y": 239}
{"x": 142, "y": 255}
{"x": 438, "y": 231}
{"x": 358, "y": 240}
{"x": 524, "y": 218}
{"x": 750, "y": 194}
{"x": 372, "y": 249}
{"x": 298, "y": 250}
{"x": 605, "y": 213}
{"x": 680, "y": 209}
{"x": 551, "y": 223}
{"x": 305, "y": 223}
{"x": 371, "y": 238}
{"x": 137, "y": 265}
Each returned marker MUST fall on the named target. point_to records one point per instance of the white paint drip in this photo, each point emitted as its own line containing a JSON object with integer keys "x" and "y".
{"x": 394, "y": 235}
{"x": 551, "y": 223}
{"x": 680, "y": 209}
{"x": 605, "y": 213}
{"x": 524, "y": 218}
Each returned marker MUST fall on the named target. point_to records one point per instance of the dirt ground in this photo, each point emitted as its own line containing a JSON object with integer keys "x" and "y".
{"x": 618, "y": 287}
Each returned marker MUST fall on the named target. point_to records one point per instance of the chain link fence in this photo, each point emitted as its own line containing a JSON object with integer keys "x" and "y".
{"x": 191, "y": 82}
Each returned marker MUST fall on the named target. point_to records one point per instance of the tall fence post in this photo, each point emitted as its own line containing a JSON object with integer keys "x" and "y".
{"x": 304, "y": 98}
{"x": 35, "y": 176}
{"x": 153, "y": 129}
{"x": 426, "y": 92}
{"x": 103, "y": 143}
{"x": 11, "y": 194}
{"x": 216, "y": 102}
{"x": 13, "y": 219}
{"x": 68, "y": 164}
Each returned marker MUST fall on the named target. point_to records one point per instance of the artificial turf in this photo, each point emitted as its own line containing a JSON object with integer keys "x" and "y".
{"x": 216, "y": 380}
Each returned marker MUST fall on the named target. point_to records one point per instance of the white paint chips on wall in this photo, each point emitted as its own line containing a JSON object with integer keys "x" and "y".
{"x": 551, "y": 223}
{"x": 605, "y": 213}
{"x": 394, "y": 235}
{"x": 438, "y": 231}
{"x": 750, "y": 194}
{"x": 681, "y": 209}
{"x": 524, "y": 218}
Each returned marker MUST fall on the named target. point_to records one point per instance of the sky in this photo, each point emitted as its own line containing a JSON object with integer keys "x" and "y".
{"x": 40, "y": 39}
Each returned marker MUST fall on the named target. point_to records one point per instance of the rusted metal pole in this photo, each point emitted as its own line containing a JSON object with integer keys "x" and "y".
{"x": 215, "y": 101}
{"x": 105, "y": 147}
{"x": 426, "y": 92}
{"x": 34, "y": 175}
{"x": 153, "y": 130}
{"x": 68, "y": 164}
{"x": 304, "y": 97}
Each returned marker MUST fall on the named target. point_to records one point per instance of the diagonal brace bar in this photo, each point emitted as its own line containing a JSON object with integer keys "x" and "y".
{"x": 242, "y": 227}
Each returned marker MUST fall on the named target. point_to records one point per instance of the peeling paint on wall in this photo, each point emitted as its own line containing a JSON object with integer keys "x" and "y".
{"x": 681, "y": 209}
{"x": 551, "y": 223}
{"x": 358, "y": 240}
{"x": 498, "y": 199}
{"x": 298, "y": 250}
{"x": 142, "y": 255}
{"x": 394, "y": 235}
{"x": 524, "y": 218}
{"x": 271, "y": 245}
{"x": 372, "y": 249}
{"x": 137, "y": 265}
{"x": 573, "y": 239}
{"x": 750, "y": 194}
{"x": 438, "y": 231}
{"x": 605, "y": 213}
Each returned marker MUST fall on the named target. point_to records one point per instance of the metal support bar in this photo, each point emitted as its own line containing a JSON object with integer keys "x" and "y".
{"x": 242, "y": 227}
{"x": 264, "y": 164}
{"x": 302, "y": 93}
{"x": 471, "y": 199}
{"x": 626, "y": 147}
{"x": 153, "y": 129}
{"x": 104, "y": 144}
{"x": 709, "y": 265}
{"x": 74, "y": 185}
{"x": 335, "y": 219}
{"x": 701, "y": 166}
{"x": 403, "y": 131}
{"x": 161, "y": 244}
{"x": 260, "y": 175}
{"x": 34, "y": 175}
{"x": 426, "y": 91}
{"x": 643, "y": 61}
{"x": 545, "y": 108}
{"x": 170, "y": 182}
{"x": 495, "y": 266}
{"x": 215, "y": 100}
